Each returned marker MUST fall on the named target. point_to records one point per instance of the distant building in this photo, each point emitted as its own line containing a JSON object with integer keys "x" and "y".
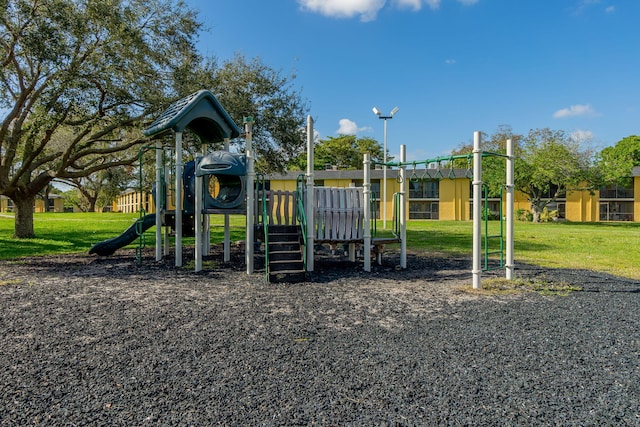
{"x": 445, "y": 194}
{"x": 55, "y": 203}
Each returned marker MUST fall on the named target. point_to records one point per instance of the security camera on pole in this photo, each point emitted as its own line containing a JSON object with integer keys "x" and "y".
{"x": 384, "y": 157}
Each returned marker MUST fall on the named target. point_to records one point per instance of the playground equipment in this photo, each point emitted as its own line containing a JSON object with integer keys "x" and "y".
{"x": 205, "y": 117}
{"x": 289, "y": 223}
{"x": 478, "y": 237}
{"x": 345, "y": 215}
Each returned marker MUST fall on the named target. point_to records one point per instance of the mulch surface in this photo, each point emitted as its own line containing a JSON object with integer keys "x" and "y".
{"x": 102, "y": 341}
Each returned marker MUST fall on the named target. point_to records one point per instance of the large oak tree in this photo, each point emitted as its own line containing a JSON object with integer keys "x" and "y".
{"x": 77, "y": 77}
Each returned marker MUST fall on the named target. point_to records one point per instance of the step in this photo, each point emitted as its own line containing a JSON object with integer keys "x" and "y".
{"x": 284, "y": 246}
{"x": 283, "y": 237}
{"x": 283, "y": 229}
{"x": 286, "y": 265}
{"x": 293, "y": 255}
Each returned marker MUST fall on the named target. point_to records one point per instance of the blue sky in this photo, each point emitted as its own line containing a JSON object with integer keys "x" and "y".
{"x": 451, "y": 66}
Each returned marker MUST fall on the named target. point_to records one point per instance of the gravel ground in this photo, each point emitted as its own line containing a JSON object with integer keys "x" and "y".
{"x": 100, "y": 341}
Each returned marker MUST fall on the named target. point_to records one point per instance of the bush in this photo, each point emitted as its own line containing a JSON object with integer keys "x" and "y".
{"x": 524, "y": 215}
{"x": 548, "y": 216}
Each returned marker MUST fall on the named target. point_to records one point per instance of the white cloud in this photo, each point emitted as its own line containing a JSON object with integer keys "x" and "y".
{"x": 575, "y": 111}
{"x": 367, "y": 10}
{"x": 349, "y": 127}
{"x": 610, "y": 9}
{"x": 450, "y": 61}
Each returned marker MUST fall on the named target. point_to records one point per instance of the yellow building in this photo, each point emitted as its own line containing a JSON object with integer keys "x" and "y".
{"x": 55, "y": 204}
{"x": 446, "y": 195}
{"x": 129, "y": 202}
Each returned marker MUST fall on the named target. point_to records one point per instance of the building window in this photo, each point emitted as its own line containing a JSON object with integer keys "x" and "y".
{"x": 616, "y": 192}
{"x": 424, "y": 189}
{"x": 616, "y": 211}
{"x": 616, "y": 202}
{"x": 423, "y": 210}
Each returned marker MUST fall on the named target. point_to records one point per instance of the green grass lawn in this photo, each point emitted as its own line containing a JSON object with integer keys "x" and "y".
{"x": 607, "y": 247}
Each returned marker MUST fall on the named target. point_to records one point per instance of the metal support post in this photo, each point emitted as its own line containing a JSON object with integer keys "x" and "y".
{"x": 477, "y": 210}
{"x": 309, "y": 203}
{"x": 402, "y": 209}
{"x": 509, "y": 267}
{"x": 178, "y": 199}
{"x": 251, "y": 176}
{"x": 367, "y": 212}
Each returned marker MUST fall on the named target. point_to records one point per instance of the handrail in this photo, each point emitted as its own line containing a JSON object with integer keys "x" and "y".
{"x": 372, "y": 204}
{"x": 398, "y": 198}
{"x": 301, "y": 214}
{"x": 261, "y": 190}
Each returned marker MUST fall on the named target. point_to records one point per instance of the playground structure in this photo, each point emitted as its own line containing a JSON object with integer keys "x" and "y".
{"x": 290, "y": 224}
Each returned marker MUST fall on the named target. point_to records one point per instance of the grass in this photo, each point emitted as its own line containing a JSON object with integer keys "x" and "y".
{"x": 502, "y": 286}
{"x": 608, "y": 247}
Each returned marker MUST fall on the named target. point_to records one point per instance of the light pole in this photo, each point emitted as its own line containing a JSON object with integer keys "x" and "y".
{"x": 384, "y": 160}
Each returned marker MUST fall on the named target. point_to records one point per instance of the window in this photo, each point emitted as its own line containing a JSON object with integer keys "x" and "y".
{"x": 424, "y": 189}
{"x": 423, "y": 210}
{"x": 616, "y": 192}
{"x": 616, "y": 211}
{"x": 616, "y": 202}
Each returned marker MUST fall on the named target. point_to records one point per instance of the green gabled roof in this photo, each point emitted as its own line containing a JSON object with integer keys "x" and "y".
{"x": 200, "y": 112}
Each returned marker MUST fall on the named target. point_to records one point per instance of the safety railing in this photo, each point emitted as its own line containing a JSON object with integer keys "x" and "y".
{"x": 262, "y": 203}
{"x": 301, "y": 214}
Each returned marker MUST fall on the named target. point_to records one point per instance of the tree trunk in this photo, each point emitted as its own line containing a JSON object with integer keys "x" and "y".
{"x": 91, "y": 202}
{"x": 536, "y": 210}
{"x": 24, "y": 217}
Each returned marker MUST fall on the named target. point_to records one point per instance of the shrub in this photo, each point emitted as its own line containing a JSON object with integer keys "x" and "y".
{"x": 524, "y": 215}
{"x": 548, "y": 216}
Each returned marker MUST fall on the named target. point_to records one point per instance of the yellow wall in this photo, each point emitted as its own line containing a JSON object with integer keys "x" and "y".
{"x": 58, "y": 205}
{"x": 581, "y": 206}
{"x": 283, "y": 185}
{"x": 636, "y": 199}
{"x": 454, "y": 199}
{"x": 129, "y": 202}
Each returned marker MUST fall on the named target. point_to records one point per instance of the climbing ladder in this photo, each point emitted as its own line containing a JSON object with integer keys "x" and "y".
{"x": 493, "y": 244}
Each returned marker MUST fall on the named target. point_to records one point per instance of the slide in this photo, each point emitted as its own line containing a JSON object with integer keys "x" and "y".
{"x": 109, "y": 246}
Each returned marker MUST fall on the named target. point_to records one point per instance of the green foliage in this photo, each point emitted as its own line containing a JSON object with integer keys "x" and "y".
{"x": 548, "y": 163}
{"x": 344, "y": 151}
{"x": 78, "y": 81}
{"x": 250, "y": 88}
{"x": 616, "y": 163}
{"x": 548, "y": 216}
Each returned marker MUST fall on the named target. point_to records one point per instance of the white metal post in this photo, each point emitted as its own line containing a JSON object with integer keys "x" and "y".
{"x": 384, "y": 178}
{"x": 226, "y": 244}
{"x": 197, "y": 214}
{"x": 477, "y": 210}
{"x": 402, "y": 209}
{"x": 167, "y": 197}
{"x": 310, "y": 202}
{"x": 178, "y": 199}
{"x": 158, "y": 199}
{"x": 367, "y": 212}
{"x": 206, "y": 223}
{"x": 510, "y": 210}
{"x": 248, "y": 247}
